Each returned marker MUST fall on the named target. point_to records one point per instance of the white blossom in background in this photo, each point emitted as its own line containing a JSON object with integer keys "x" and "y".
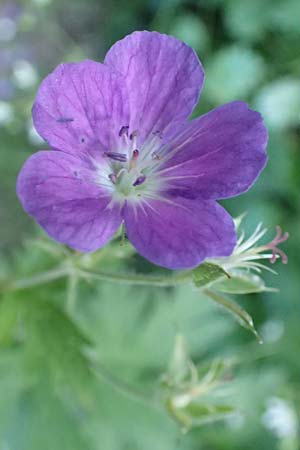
{"x": 272, "y": 330}
{"x": 6, "y": 113}
{"x": 24, "y": 74}
{"x": 280, "y": 418}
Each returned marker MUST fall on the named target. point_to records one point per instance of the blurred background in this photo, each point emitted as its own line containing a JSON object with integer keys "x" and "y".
{"x": 50, "y": 398}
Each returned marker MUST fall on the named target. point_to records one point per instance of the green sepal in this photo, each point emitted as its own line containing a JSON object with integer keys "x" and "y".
{"x": 207, "y": 273}
{"x": 242, "y": 283}
{"x": 197, "y": 414}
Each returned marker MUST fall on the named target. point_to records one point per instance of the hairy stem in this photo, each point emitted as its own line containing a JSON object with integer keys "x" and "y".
{"x": 76, "y": 272}
{"x": 36, "y": 280}
{"x": 136, "y": 279}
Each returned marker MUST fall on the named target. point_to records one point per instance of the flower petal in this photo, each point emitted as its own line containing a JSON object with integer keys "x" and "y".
{"x": 179, "y": 234}
{"x": 219, "y": 155}
{"x": 164, "y": 78}
{"x": 80, "y": 107}
{"x": 57, "y": 190}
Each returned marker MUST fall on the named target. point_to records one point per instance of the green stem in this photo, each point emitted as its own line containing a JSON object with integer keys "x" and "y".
{"x": 136, "y": 279}
{"x": 131, "y": 279}
{"x": 37, "y": 280}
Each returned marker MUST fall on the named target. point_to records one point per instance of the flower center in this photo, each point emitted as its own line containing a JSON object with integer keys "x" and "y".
{"x": 130, "y": 172}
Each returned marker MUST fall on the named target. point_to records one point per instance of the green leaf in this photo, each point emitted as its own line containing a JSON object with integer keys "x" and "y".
{"x": 206, "y": 273}
{"x": 244, "y": 319}
{"x": 8, "y": 319}
{"x": 248, "y": 21}
{"x": 45, "y": 422}
{"x": 190, "y": 29}
{"x": 233, "y": 72}
{"x": 279, "y": 103}
{"x": 242, "y": 284}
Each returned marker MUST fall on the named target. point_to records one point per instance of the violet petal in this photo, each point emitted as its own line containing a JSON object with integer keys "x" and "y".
{"x": 80, "y": 107}
{"x": 164, "y": 77}
{"x": 221, "y": 153}
{"x": 179, "y": 234}
{"x": 55, "y": 188}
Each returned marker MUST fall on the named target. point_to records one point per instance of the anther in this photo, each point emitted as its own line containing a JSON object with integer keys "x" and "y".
{"x": 157, "y": 133}
{"x": 277, "y": 252}
{"x": 116, "y": 156}
{"x": 113, "y": 178}
{"x": 133, "y": 134}
{"x": 139, "y": 180}
{"x": 135, "y": 154}
{"x": 154, "y": 155}
{"x": 124, "y": 131}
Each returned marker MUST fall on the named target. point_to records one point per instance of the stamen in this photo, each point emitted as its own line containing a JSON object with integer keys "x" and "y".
{"x": 124, "y": 131}
{"x": 158, "y": 133}
{"x": 113, "y": 178}
{"x": 139, "y": 180}
{"x": 133, "y": 134}
{"x": 154, "y": 155}
{"x": 120, "y": 172}
{"x": 135, "y": 154}
{"x": 116, "y": 156}
{"x": 279, "y": 238}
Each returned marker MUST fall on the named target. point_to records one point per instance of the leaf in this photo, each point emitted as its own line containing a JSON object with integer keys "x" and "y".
{"x": 279, "y": 103}
{"x": 207, "y": 273}
{"x": 8, "y": 319}
{"x": 190, "y": 29}
{"x": 244, "y": 319}
{"x": 248, "y": 21}
{"x": 233, "y": 72}
{"x": 50, "y": 340}
{"x": 242, "y": 284}
{"x": 44, "y": 421}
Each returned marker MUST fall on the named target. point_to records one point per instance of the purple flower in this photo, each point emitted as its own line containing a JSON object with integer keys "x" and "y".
{"x": 124, "y": 151}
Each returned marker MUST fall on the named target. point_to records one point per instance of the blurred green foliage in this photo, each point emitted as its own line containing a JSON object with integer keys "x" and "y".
{"x": 63, "y": 343}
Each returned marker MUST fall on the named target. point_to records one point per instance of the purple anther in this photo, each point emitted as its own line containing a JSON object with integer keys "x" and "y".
{"x": 113, "y": 178}
{"x": 124, "y": 131}
{"x": 133, "y": 134}
{"x": 157, "y": 133}
{"x": 139, "y": 180}
{"x": 116, "y": 156}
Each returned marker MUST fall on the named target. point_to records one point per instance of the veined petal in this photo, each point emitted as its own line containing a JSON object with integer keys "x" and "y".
{"x": 218, "y": 155}
{"x": 164, "y": 78}
{"x": 57, "y": 189}
{"x": 179, "y": 233}
{"x": 80, "y": 107}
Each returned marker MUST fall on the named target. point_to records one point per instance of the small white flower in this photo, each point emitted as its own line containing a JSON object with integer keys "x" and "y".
{"x": 280, "y": 418}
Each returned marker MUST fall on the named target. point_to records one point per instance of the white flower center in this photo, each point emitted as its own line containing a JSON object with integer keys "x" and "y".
{"x": 129, "y": 172}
